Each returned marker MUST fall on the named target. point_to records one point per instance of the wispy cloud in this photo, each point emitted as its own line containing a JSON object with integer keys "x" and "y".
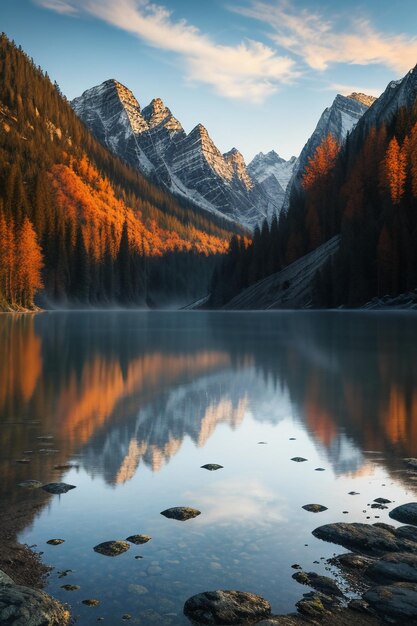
{"x": 60, "y": 6}
{"x": 249, "y": 71}
{"x": 322, "y": 42}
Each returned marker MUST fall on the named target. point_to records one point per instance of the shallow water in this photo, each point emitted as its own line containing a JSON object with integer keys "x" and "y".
{"x": 139, "y": 401}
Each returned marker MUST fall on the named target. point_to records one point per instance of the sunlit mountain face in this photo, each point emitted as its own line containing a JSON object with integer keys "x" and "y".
{"x": 133, "y": 404}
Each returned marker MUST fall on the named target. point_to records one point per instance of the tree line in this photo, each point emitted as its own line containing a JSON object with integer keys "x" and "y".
{"x": 366, "y": 191}
{"x": 99, "y": 231}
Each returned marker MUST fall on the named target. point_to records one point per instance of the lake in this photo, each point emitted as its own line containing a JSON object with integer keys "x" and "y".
{"x": 137, "y": 402}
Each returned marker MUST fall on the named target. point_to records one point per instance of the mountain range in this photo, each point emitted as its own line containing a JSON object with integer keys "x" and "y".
{"x": 190, "y": 165}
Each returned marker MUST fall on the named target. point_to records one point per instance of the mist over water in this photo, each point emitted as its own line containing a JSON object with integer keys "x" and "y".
{"x": 138, "y": 401}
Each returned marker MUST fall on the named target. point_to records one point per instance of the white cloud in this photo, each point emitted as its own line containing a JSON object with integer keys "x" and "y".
{"x": 248, "y": 71}
{"x": 60, "y": 6}
{"x": 321, "y": 43}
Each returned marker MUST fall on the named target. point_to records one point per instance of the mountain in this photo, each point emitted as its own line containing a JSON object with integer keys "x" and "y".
{"x": 339, "y": 119}
{"x": 77, "y": 224}
{"x": 190, "y": 166}
{"x": 273, "y": 174}
{"x": 363, "y": 191}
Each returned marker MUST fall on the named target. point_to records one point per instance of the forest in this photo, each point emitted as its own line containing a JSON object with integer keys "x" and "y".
{"x": 78, "y": 227}
{"x": 366, "y": 191}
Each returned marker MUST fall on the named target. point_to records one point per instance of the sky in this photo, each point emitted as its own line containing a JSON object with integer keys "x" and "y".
{"x": 256, "y": 73}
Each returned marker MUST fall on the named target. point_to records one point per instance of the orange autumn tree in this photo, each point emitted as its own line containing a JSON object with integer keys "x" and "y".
{"x": 322, "y": 162}
{"x": 315, "y": 183}
{"x": 29, "y": 263}
{"x": 394, "y": 170}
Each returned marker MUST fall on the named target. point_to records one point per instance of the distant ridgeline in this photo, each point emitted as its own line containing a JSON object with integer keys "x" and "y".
{"x": 77, "y": 225}
{"x": 365, "y": 190}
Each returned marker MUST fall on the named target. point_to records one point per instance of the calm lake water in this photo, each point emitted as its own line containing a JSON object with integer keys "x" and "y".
{"x": 139, "y": 401}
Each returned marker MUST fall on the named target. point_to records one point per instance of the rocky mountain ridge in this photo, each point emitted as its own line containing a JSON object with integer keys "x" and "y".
{"x": 190, "y": 165}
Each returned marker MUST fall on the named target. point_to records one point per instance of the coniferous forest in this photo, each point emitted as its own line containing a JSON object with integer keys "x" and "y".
{"x": 77, "y": 225}
{"x": 366, "y": 192}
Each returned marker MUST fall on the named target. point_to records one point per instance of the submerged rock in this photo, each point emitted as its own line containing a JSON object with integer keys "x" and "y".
{"x": 30, "y": 484}
{"x": 55, "y": 542}
{"x": 181, "y": 513}
{"x": 57, "y": 488}
{"x": 112, "y": 548}
{"x": 91, "y": 602}
{"x": 298, "y": 459}
{"x": 396, "y": 602}
{"x": 367, "y": 538}
{"x": 405, "y": 513}
{"x": 212, "y": 467}
{"x": 138, "y": 539}
{"x": 70, "y": 587}
{"x": 30, "y": 607}
{"x": 314, "y": 508}
{"x": 226, "y": 607}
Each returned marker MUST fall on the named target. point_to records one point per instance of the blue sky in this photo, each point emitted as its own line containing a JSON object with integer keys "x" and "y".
{"x": 256, "y": 73}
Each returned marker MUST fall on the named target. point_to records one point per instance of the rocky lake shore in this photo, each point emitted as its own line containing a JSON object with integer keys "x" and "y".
{"x": 377, "y": 582}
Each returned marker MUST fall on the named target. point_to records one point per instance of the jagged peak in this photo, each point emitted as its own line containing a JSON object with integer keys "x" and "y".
{"x": 363, "y": 98}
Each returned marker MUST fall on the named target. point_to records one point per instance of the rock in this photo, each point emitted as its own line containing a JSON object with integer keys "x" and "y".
{"x": 22, "y": 606}
{"x": 23, "y": 460}
{"x": 298, "y": 459}
{"x": 30, "y": 484}
{"x": 312, "y": 606}
{"x": 405, "y": 513}
{"x": 292, "y": 439}
{"x": 57, "y": 488}
{"x": 352, "y": 561}
{"x": 126, "y": 617}
{"x": 407, "y": 532}
{"x": 314, "y": 508}
{"x": 319, "y": 469}
{"x": 55, "y": 542}
{"x": 382, "y": 501}
{"x": 138, "y": 539}
{"x": 45, "y": 437}
{"x": 91, "y": 602}
{"x": 353, "y": 493}
{"x": 64, "y": 573}
{"x": 212, "y": 467}
{"x": 411, "y": 463}
{"x": 296, "y": 566}
{"x": 262, "y": 443}
{"x": 394, "y": 567}
{"x": 395, "y": 602}
{"x": 366, "y": 538}
{"x": 226, "y": 607}
{"x": 324, "y": 584}
{"x": 5, "y": 579}
{"x": 181, "y": 513}
{"x": 112, "y": 548}
{"x": 70, "y": 587}
{"x": 376, "y": 505}
{"x": 67, "y": 466}
{"x": 137, "y": 557}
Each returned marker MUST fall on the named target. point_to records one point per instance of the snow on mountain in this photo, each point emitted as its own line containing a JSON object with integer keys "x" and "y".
{"x": 339, "y": 119}
{"x": 190, "y": 165}
{"x": 273, "y": 173}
